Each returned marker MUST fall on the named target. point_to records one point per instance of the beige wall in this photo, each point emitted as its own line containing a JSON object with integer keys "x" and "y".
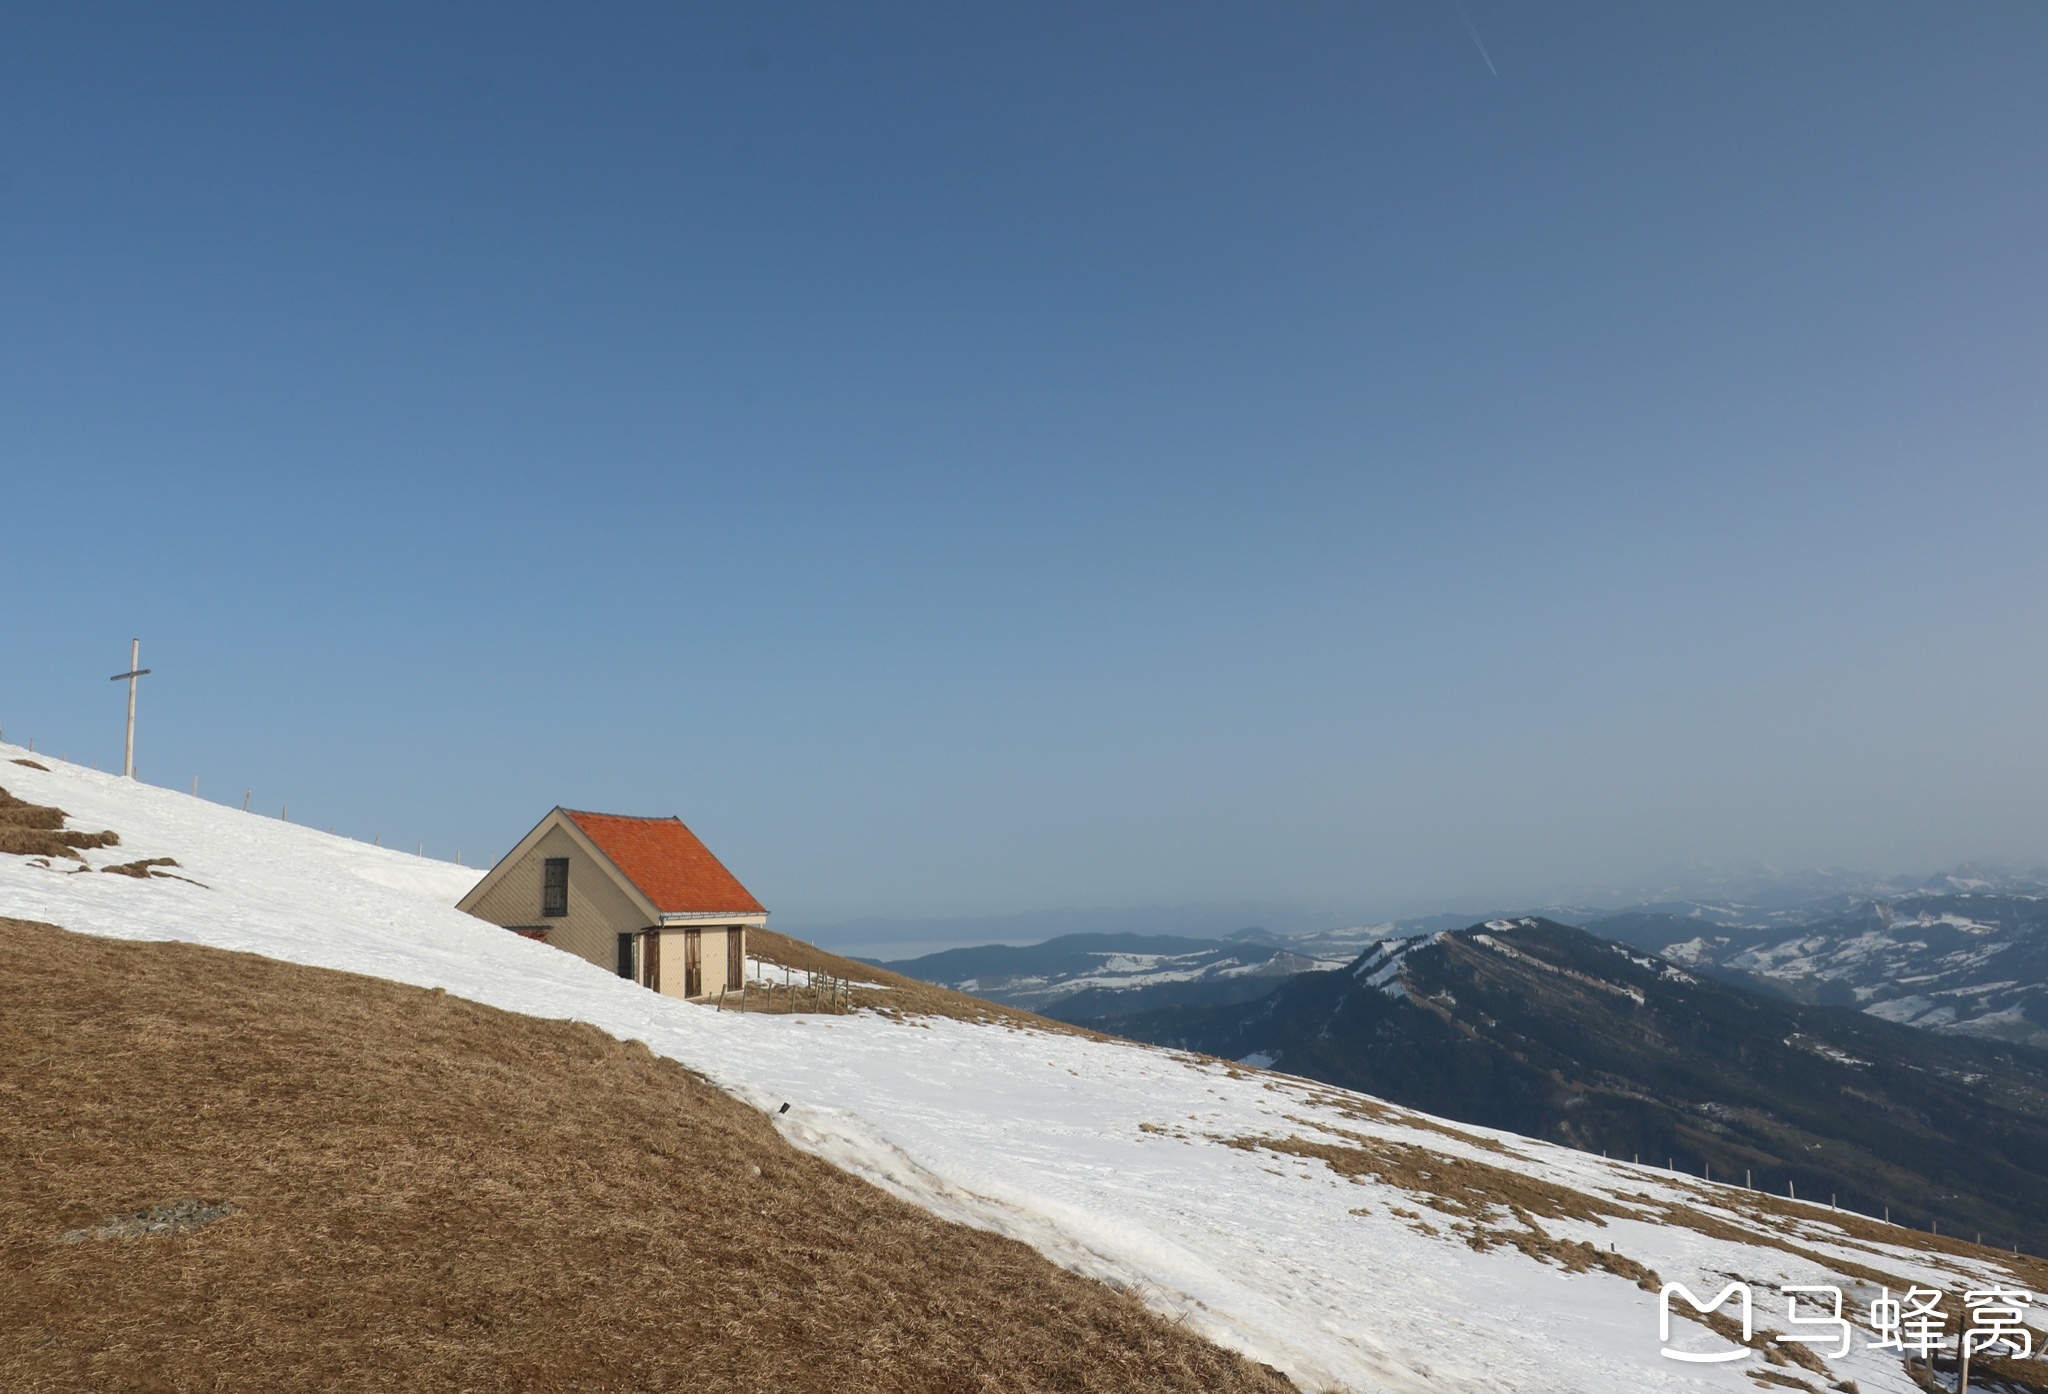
{"x": 673, "y": 956}
{"x": 598, "y": 910}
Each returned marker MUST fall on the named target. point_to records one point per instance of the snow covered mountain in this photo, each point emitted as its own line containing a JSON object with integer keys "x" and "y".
{"x": 1353, "y": 1244}
{"x": 1078, "y": 976}
{"x": 1972, "y": 962}
{"x": 1774, "y": 895}
{"x": 1538, "y": 1027}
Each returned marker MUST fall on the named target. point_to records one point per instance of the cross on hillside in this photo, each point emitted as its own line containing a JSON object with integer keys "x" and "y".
{"x": 135, "y": 670}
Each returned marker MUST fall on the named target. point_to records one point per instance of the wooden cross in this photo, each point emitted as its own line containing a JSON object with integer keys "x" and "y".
{"x": 134, "y": 671}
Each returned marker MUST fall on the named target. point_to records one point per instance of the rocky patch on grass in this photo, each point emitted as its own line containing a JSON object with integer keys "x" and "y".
{"x": 175, "y": 1218}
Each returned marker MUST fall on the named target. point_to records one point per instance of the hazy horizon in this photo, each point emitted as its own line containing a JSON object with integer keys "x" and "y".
{"x": 969, "y": 462}
{"x": 1761, "y": 888}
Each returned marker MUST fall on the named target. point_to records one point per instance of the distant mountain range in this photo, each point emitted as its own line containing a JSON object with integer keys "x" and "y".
{"x": 1079, "y": 976}
{"x": 1773, "y": 1042}
{"x": 1965, "y": 952}
{"x": 1773, "y": 892}
{"x": 886, "y": 937}
{"x": 1967, "y": 964}
{"x": 1754, "y": 894}
{"x": 1547, "y": 1030}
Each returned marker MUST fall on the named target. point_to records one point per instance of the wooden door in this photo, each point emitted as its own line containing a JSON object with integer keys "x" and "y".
{"x": 693, "y": 963}
{"x": 650, "y": 958}
{"x": 735, "y": 957}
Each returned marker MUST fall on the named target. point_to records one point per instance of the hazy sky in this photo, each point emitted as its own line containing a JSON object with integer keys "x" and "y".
{"x": 975, "y": 459}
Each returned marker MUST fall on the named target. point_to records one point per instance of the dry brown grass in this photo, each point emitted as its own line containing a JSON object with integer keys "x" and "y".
{"x": 1459, "y": 1186}
{"x": 1480, "y": 1198}
{"x": 1370, "y": 1110}
{"x": 141, "y": 870}
{"x": 2016, "y": 1374}
{"x": 37, "y": 830}
{"x": 899, "y": 997}
{"x": 431, "y": 1194}
{"x": 34, "y": 765}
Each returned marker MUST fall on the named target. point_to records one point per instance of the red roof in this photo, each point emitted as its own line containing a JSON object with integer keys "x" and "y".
{"x": 669, "y": 865}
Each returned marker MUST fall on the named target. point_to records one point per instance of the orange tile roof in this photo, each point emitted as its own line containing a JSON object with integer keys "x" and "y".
{"x": 669, "y": 865}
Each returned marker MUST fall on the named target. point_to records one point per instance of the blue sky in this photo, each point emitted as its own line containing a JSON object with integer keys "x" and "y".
{"x": 987, "y": 459}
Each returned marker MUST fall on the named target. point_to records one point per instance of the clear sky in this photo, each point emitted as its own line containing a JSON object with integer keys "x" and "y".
{"x": 974, "y": 459}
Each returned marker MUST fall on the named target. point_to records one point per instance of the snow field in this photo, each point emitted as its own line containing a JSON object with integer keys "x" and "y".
{"x": 1032, "y": 1134}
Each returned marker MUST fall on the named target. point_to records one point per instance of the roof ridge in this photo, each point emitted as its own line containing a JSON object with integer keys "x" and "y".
{"x": 634, "y": 817}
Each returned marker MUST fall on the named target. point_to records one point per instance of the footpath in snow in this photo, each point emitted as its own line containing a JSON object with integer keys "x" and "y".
{"x": 1115, "y": 1160}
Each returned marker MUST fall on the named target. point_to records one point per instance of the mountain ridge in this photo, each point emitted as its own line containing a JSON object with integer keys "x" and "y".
{"x": 1549, "y": 1031}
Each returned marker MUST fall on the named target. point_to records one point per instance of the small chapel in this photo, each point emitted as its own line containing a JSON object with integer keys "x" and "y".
{"x": 643, "y": 897}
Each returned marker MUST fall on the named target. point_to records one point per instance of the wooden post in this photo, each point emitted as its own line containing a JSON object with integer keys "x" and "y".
{"x": 135, "y": 670}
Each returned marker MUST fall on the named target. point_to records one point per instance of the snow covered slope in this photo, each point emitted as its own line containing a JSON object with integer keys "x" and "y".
{"x": 1353, "y": 1245}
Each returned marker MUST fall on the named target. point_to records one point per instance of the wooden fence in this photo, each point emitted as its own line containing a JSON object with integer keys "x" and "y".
{"x": 822, "y": 994}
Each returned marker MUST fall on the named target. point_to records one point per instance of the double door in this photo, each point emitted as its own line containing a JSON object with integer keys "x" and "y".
{"x": 649, "y": 965}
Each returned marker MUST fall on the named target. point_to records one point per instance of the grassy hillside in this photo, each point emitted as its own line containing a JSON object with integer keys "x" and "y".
{"x": 400, "y": 1189}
